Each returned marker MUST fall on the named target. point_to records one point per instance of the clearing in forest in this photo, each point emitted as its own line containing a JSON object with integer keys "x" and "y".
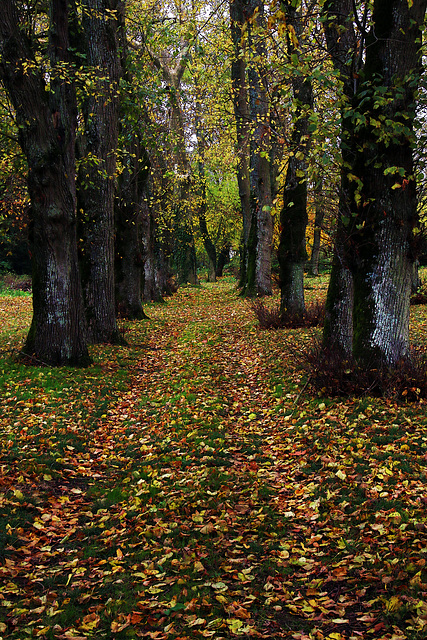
{"x": 187, "y": 486}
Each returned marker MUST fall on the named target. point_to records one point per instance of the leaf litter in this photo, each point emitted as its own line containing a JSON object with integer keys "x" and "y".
{"x": 185, "y": 487}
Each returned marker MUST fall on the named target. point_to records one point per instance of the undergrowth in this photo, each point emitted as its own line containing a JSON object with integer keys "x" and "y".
{"x": 271, "y": 317}
{"x": 332, "y": 375}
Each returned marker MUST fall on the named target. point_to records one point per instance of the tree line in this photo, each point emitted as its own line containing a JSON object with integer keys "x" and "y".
{"x": 144, "y": 125}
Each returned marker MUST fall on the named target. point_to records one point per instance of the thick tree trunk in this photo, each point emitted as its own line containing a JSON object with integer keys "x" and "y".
{"x": 223, "y": 259}
{"x": 292, "y": 252}
{"x": 129, "y": 259}
{"x": 338, "y": 327}
{"x": 379, "y": 187}
{"x": 384, "y": 212}
{"x": 154, "y": 280}
{"x": 46, "y": 128}
{"x": 342, "y": 46}
{"x": 98, "y": 172}
{"x": 131, "y": 193}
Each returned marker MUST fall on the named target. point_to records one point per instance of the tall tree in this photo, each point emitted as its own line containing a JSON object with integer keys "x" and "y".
{"x": 101, "y": 20}
{"x": 46, "y": 119}
{"x": 292, "y": 254}
{"x": 131, "y": 196}
{"x": 376, "y": 238}
{"x": 242, "y": 117}
{"x": 260, "y": 173}
{"x": 251, "y": 106}
{"x": 185, "y": 254}
{"x": 345, "y": 50}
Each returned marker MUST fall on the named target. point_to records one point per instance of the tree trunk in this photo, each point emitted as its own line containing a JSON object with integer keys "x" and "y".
{"x": 154, "y": 280}
{"x": 261, "y": 200}
{"x": 46, "y": 128}
{"x": 319, "y": 214}
{"x": 377, "y": 141}
{"x": 242, "y": 117}
{"x": 129, "y": 259}
{"x": 292, "y": 253}
{"x": 98, "y": 172}
{"x": 338, "y": 326}
{"x": 131, "y": 193}
{"x": 384, "y": 210}
{"x": 223, "y": 259}
{"x": 343, "y": 49}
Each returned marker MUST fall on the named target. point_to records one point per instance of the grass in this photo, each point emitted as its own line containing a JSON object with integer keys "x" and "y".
{"x": 187, "y": 486}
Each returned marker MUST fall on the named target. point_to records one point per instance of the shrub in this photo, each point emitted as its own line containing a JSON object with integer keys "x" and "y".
{"x": 420, "y": 296}
{"x": 14, "y": 282}
{"x": 272, "y": 318}
{"x": 332, "y": 376}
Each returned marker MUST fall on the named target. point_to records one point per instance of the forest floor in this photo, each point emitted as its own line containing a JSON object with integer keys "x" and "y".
{"x": 188, "y": 485}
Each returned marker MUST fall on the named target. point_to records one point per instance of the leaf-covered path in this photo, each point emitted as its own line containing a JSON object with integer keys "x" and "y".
{"x": 186, "y": 486}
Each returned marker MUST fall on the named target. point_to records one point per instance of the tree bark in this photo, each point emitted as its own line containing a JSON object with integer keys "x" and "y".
{"x": 46, "y": 128}
{"x": 343, "y": 49}
{"x": 317, "y": 231}
{"x": 132, "y": 186}
{"x": 242, "y": 118}
{"x": 129, "y": 202}
{"x": 98, "y": 172}
{"x": 378, "y": 130}
{"x": 261, "y": 200}
{"x": 292, "y": 253}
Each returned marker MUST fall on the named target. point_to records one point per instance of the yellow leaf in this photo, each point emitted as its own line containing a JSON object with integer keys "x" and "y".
{"x": 393, "y": 604}
{"x": 90, "y": 622}
{"x": 197, "y": 621}
{"x": 340, "y": 620}
{"x": 235, "y": 624}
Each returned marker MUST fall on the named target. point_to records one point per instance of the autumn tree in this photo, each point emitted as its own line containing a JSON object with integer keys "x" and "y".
{"x": 378, "y": 57}
{"x": 98, "y": 164}
{"x": 292, "y": 252}
{"x": 251, "y": 106}
{"x": 45, "y": 114}
{"x": 131, "y": 201}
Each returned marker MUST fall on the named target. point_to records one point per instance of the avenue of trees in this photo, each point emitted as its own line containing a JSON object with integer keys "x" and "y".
{"x": 154, "y": 134}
